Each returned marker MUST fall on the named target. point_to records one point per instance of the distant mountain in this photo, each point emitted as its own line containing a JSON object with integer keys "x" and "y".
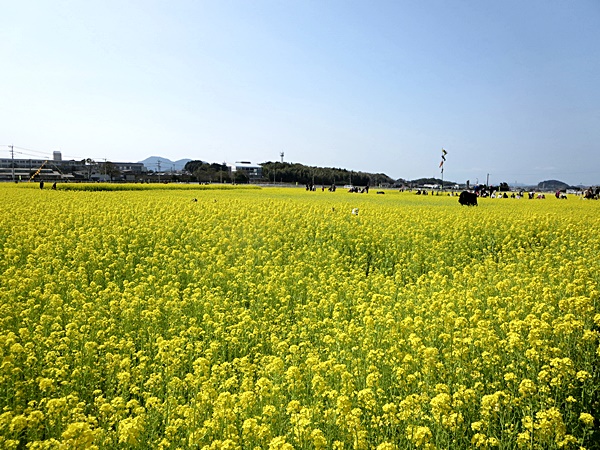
{"x": 165, "y": 164}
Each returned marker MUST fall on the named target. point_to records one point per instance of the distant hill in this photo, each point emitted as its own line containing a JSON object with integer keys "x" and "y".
{"x": 422, "y": 181}
{"x": 552, "y": 185}
{"x": 299, "y": 173}
{"x": 166, "y": 165}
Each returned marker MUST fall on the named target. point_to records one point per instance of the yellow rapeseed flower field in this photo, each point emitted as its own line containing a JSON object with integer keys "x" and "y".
{"x": 278, "y": 319}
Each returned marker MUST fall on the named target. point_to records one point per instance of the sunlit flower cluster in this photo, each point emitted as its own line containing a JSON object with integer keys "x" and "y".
{"x": 277, "y": 319}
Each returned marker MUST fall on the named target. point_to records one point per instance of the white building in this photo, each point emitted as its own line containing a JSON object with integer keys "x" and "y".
{"x": 252, "y": 171}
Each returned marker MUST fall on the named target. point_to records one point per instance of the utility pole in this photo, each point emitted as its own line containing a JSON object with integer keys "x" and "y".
{"x": 12, "y": 156}
{"x": 444, "y": 153}
{"x": 158, "y": 165}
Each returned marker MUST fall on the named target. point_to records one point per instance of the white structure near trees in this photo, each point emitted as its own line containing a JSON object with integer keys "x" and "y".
{"x": 252, "y": 171}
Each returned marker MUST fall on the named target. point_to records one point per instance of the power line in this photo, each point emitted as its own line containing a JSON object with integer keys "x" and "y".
{"x": 46, "y": 153}
{"x": 31, "y": 150}
{"x": 30, "y": 155}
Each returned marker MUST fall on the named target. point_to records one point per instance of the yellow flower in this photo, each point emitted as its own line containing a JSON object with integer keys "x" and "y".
{"x": 263, "y": 317}
{"x": 78, "y": 435}
{"x": 18, "y": 423}
{"x": 293, "y": 407}
{"x": 419, "y": 435}
{"x": 386, "y": 446}
{"x": 318, "y": 439}
{"x": 279, "y": 443}
{"x": 527, "y": 388}
{"x": 587, "y": 419}
{"x": 583, "y": 375}
{"x": 130, "y": 430}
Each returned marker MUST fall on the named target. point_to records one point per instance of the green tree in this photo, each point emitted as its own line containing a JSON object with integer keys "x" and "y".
{"x": 301, "y": 174}
{"x": 192, "y": 166}
{"x": 240, "y": 177}
{"x": 90, "y": 165}
{"x": 206, "y": 172}
{"x": 109, "y": 169}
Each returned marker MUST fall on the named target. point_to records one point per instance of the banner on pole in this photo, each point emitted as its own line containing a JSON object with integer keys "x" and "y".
{"x": 444, "y": 153}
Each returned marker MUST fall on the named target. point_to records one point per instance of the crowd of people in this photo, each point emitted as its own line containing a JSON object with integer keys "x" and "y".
{"x": 480, "y": 191}
{"x": 591, "y": 193}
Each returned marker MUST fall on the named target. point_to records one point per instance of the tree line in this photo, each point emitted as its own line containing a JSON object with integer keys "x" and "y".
{"x": 283, "y": 172}
{"x": 326, "y": 176}
{"x": 213, "y": 172}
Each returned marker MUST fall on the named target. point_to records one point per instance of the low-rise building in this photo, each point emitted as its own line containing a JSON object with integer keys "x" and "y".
{"x": 56, "y": 169}
{"x": 252, "y": 171}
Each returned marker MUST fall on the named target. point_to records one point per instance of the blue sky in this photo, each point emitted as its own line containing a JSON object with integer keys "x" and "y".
{"x": 508, "y": 88}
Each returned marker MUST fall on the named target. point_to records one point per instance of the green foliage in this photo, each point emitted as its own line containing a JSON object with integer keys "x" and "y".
{"x": 208, "y": 172}
{"x": 301, "y": 174}
{"x": 109, "y": 169}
